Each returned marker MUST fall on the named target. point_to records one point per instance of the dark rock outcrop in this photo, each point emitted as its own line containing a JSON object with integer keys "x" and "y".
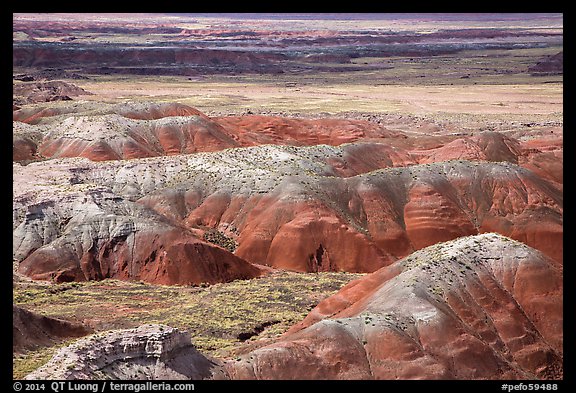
{"x": 31, "y": 331}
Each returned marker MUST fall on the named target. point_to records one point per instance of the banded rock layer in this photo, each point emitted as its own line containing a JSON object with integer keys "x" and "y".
{"x": 133, "y": 130}
{"x": 31, "y": 330}
{"x": 283, "y": 206}
{"x": 147, "y": 352}
{"x": 67, "y": 230}
{"x": 359, "y": 202}
{"x": 478, "y": 307}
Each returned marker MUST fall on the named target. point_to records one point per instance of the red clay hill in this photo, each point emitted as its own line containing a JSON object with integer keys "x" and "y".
{"x": 312, "y": 195}
{"x": 479, "y": 307}
{"x": 65, "y": 230}
{"x": 31, "y": 330}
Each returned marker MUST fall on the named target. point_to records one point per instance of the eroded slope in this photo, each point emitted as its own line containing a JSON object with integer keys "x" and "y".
{"x": 479, "y": 307}
{"x": 68, "y": 230}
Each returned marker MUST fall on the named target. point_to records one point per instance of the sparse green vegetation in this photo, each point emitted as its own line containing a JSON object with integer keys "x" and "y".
{"x": 214, "y": 315}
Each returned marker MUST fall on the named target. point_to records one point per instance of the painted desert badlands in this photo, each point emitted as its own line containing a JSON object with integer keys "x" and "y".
{"x": 288, "y": 196}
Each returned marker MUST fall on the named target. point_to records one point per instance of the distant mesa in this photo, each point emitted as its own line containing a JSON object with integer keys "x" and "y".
{"x": 47, "y": 74}
{"x": 138, "y": 60}
{"x": 46, "y": 91}
{"x": 550, "y": 65}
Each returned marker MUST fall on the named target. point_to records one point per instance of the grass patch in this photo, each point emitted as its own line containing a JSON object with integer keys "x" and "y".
{"x": 218, "y": 317}
{"x": 24, "y": 364}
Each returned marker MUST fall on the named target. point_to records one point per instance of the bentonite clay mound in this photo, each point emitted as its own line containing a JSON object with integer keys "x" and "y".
{"x": 148, "y": 352}
{"x": 146, "y": 129}
{"x": 123, "y": 131}
{"x": 478, "y": 307}
{"x": 114, "y": 137}
{"x": 253, "y": 130}
{"x": 282, "y": 206}
{"x": 334, "y": 206}
{"x": 299, "y": 217}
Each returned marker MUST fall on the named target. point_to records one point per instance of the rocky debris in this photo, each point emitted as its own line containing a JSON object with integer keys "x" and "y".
{"x": 31, "y": 331}
{"x": 478, "y": 307}
{"x": 220, "y": 239}
{"x": 148, "y": 352}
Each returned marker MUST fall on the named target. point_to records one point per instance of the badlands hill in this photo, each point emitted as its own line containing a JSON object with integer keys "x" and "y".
{"x": 279, "y": 205}
{"x": 347, "y": 195}
{"x": 478, "y": 307}
{"x": 101, "y": 131}
{"x": 168, "y": 195}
